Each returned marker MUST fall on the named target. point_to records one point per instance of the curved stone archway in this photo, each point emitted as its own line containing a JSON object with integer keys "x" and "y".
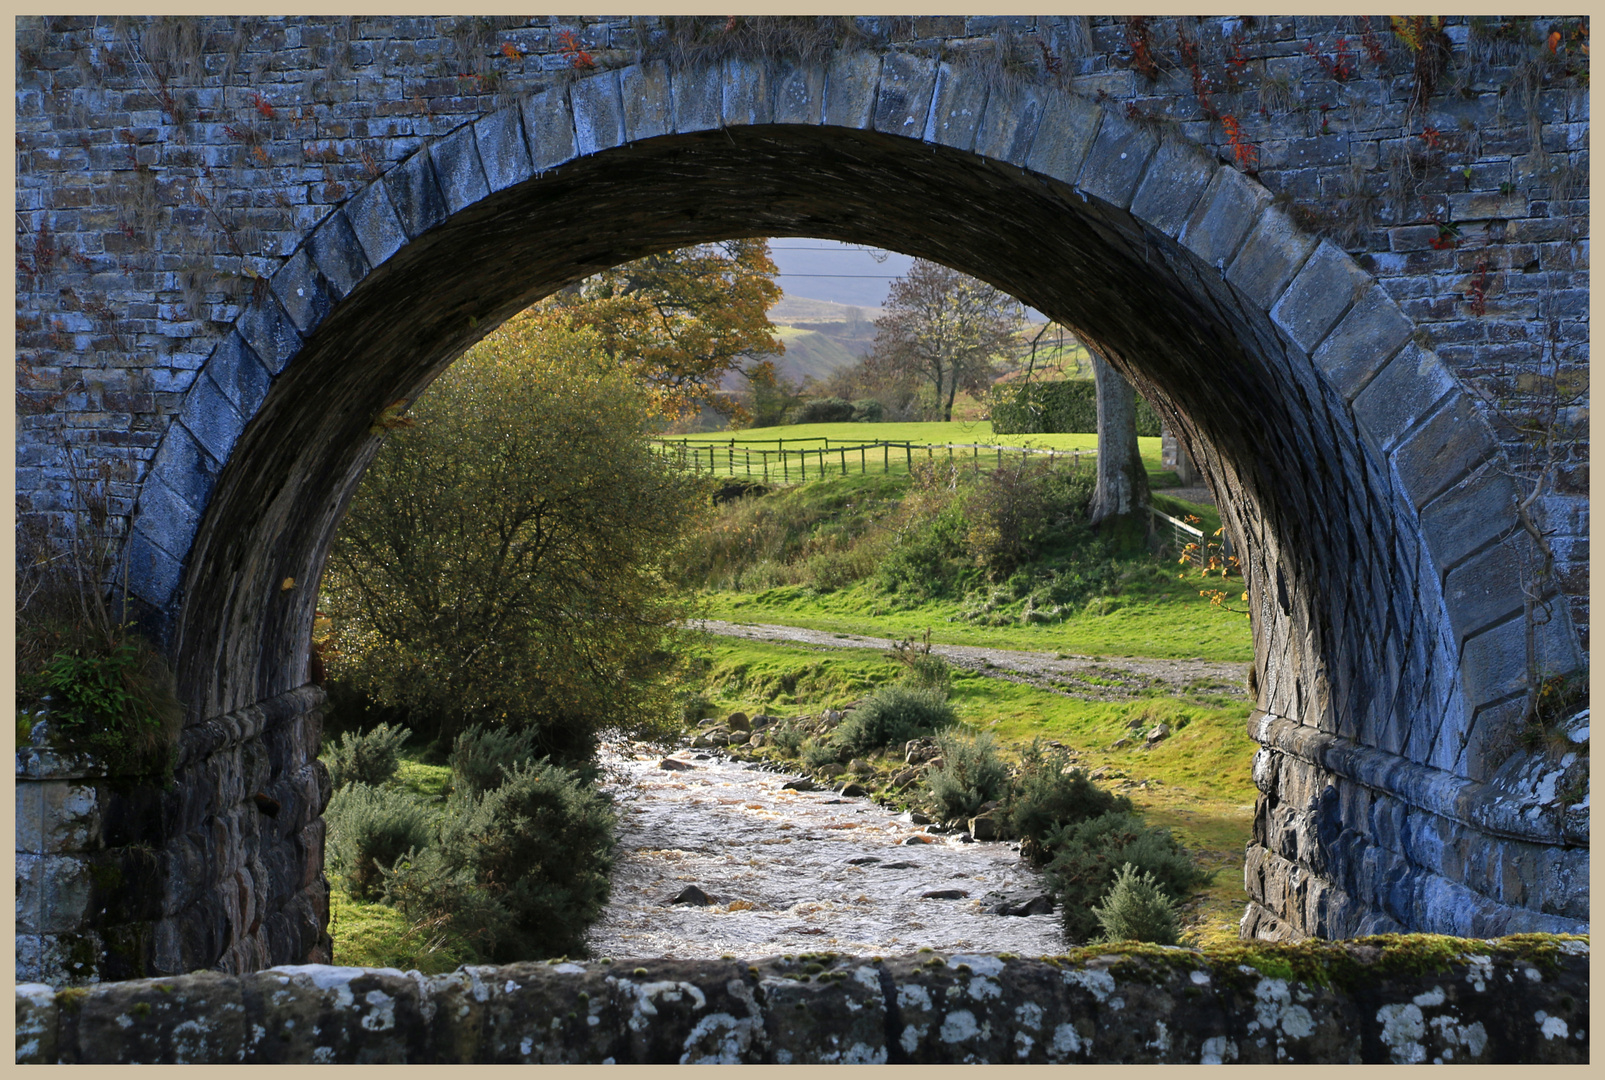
{"x": 1365, "y": 491}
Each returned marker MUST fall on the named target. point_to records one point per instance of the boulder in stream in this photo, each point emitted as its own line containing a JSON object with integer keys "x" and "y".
{"x": 691, "y": 895}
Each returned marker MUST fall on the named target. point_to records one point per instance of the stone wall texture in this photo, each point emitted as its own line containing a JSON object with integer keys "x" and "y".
{"x": 1345, "y": 260}
{"x": 1369, "y": 1001}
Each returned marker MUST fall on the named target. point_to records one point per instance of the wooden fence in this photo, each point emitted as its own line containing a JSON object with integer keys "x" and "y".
{"x": 786, "y": 464}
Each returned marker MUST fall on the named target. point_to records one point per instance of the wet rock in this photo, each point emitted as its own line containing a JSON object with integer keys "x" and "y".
{"x": 712, "y": 737}
{"x": 802, "y": 783}
{"x": 863, "y": 860}
{"x": 670, "y": 764}
{"x": 901, "y": 866}
{"x": 737, "y": 721}
{"x": 1040, "y": 904}
{"x": 944, "y": 894}
{"x": 918, "y": 838}
{"x": 985, "y": 826}
{"x": 855, "y": 791}
{"x": 918, "y": 818}
{"x": 691, "y": 895}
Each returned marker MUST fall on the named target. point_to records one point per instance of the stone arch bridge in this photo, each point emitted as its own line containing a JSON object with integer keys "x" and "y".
{"x": 240, "y": 240}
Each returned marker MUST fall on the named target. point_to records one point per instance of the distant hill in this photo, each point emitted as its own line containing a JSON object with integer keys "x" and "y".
{"x": 820, "y": 336}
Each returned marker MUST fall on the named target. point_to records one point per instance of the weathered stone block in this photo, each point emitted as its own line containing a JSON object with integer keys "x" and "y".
{"x": 549, "y": 127}
{"x": 212, "y": 418}
{"x": 303, "y": 291}
{"x": 850, "y": 82}
{"x": 1472, "y": 513}
{"x": 1229, "y": 207}
{"x": 1116, "y": 161}
{"x": 457, "y": 168}
{"x": 1325, "y": 287}
{"x": 415, "y": 194}
{"x": 957, "y": 103}
{"x": 903, "y": 105}
{"x": 65, "y": 888}
{"x": 377, "y": 226}
{"x": 644, "y": 91}
{"x": 1487, "y": 587}
{"x": 1368, "y": 337}
{"x": 503, "y": 153}
{"x": 1010, "y": 126}
{"x": 37, "y": 1018}
{"x": 1407, "y": 388}
{"x": 745, "y": 96}
{"x": 153, "y": 575}
{"x": 598, "y": 113}
{"x": 270, "y": 334}
{"x": 183, "y": 466}
{"x": 29, "y": 875}
{"x": 165, "y": 518}
{"x": 1064, "y": 137}
{"x": 698, "y": 99}
{"x": 1450, "y": 443}
{"x": 1176, "y": 177}
{"x": 337, "y": 251}
{"x": 800, "y": 95}
{"x": 1271, "y": 254}
{"x": 1494, "y": 662}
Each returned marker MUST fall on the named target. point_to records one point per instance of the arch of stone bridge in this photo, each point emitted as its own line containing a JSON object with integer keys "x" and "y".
{"x": 1364, "y": 491}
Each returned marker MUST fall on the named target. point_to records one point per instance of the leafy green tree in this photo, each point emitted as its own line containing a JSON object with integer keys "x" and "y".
{"x": 682, "y": 320}
{"x": 502, "y": 562}
{"x": 947, "y": 329}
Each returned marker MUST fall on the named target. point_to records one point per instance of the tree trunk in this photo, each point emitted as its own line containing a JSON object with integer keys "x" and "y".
{"x": 1122, "y": 481}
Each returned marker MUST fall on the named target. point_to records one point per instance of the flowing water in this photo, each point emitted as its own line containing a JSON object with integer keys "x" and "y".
{"x": 795, "y": 871}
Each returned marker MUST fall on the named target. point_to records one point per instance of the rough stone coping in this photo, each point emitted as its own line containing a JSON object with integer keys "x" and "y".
{"x": 1487, "y": 808}
{"x": 1398, "y": 998}
{"x": 197, "y": 741}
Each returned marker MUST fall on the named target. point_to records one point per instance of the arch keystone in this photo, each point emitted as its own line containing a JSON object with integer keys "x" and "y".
{"x": 598, "y": 113}
{"x": 745, "y": 96}
{"x": 800, "y": 95}
{"x": 644, "y": 89}
{"x": 904, "y": 102}
{"x": 850, "y": 83}
{"x": 549, "y": 126}
{"x": 957, "y": 105}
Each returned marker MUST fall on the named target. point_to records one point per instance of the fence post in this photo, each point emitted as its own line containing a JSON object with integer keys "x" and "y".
{"x": 886, "y": 457}
{"x": 765, "y": 466}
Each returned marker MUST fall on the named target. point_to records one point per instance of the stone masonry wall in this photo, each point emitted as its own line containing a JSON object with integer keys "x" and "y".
{"x": 166, "y": 166}
{"x": 123, "y": 879}
{"x": 1409, "y": 1000}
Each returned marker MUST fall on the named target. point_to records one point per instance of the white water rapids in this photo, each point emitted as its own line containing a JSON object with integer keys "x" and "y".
{"x": 792, "y": 871}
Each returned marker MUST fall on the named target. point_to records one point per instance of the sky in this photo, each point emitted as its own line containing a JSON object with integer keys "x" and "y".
{"x": 841, "y": 273}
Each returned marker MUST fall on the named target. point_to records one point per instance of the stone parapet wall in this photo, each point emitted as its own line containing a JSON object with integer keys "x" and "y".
{"x": 1403, "y": 1000}
{"x": 121, "y": 878}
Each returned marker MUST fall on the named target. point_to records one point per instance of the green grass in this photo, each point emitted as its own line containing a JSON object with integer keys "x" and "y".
{"x": 1200, "y": 782}
{"x": 1159, "y": 616}
{"x": 935, "y": 434}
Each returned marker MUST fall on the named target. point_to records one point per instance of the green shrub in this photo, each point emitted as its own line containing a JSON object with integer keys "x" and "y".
{"x": 521, "y": 869}
{"x": 830, "y": 410}
{"x": 1044, "y": 797}
{"x": 928, "y": 672}
{"x": 818, "y": 752}
{"x": 1087, "y": 856}
{"x": 369, "y": 828}
{"x": 788, "y": 738}
{"x": 1068, "y": 405}
{"x": 479, "y": 755}
{"x": 1137, "y": 909}
{"x": 116, "y": 701}
{"x": 971, "y": 774}
{"x": 891, "y": 715}
{"x": 366, "y": 758}
{"x": 868, "y": 411}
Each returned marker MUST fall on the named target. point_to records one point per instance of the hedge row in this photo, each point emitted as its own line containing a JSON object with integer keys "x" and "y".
{"x": 1046, "y": 408}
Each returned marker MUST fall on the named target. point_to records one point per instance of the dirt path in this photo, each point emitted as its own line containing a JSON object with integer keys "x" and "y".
{"x": 1098, "y": 678}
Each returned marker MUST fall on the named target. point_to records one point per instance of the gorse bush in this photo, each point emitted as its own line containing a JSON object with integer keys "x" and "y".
{"x": 1045, "y": 797}
{"x": 369, "y": 829}
{"x": 889, "y": 716}
{"x": 1088, "y": 855}
{"x": 520, "y": 869}
{"x": 1137, "y": 909}
{"x": 971, "y": 774}
{"x": 479, "y": 757}
{"x": 369, "y": 758}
